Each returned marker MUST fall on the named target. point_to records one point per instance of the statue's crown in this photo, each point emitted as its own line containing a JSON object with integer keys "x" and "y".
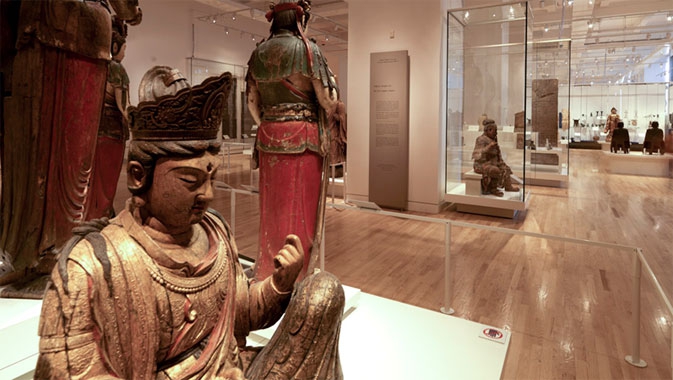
{"x": 193, "y": 113}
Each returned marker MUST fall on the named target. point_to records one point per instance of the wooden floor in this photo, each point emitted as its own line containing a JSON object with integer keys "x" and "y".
{"x": 568, "y": 306}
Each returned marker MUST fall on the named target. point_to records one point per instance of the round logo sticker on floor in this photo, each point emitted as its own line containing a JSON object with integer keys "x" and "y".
{"x": 494, "y": 334}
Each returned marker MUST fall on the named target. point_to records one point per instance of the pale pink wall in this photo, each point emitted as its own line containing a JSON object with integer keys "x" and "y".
{"x": 416, "y": 26}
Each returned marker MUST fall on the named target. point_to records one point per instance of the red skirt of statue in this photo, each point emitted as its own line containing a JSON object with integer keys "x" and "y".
{"x": 76, "y": 111}
{"x": 49, "y": 147}
{"x": 289, "y": 189}
{"x": 107, "y": 168}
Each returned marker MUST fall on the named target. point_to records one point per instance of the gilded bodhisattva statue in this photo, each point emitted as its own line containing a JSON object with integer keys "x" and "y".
{"x": 158, "y": 293}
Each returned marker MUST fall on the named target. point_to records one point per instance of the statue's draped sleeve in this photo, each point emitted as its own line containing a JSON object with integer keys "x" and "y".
{"x": 69, "y": 344}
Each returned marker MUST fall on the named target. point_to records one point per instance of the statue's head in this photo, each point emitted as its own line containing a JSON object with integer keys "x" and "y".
{"x": 289, "y": 15}
{"x": 119, "y": 34}
{"x": 490, "y": 128}
{"x": 173, "y": 153}
{"x": 613, "y": 110}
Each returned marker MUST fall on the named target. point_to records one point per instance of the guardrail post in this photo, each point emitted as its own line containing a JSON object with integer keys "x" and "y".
{"x": 634, "y": 359}
{"x": 232, "y": 218}
{"x": 446, "y": 309}
{"x": 322, "y": 250}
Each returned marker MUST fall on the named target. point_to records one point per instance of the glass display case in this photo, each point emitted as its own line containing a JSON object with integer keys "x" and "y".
{"x": 637, "y": 104}
{"x": 237, "y": 123}
{"x": 487, "y": 60}
{"x": 548, "y": 103}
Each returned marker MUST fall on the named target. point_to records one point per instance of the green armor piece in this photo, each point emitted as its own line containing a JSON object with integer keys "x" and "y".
{"x": 282, "y": 55}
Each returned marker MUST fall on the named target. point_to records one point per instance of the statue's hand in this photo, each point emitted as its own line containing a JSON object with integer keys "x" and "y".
{"x": 288, "y": 263}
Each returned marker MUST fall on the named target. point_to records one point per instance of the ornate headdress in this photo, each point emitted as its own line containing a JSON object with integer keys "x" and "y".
{"x": 191, "y": 114}
{"x": 302, "y": 8}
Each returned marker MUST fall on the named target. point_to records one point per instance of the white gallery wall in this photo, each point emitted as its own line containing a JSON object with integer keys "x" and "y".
{"x": 170, "y": 33}
{"x": 417, "y": 26}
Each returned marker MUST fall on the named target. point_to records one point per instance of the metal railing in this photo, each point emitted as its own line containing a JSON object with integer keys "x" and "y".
{"x": 639, "y": 261}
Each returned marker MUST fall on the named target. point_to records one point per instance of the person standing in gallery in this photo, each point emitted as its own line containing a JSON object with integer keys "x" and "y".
{"x": 51, "y": 123}
{"x": 293, "y": 97}
{"x": 611, "y": 124}
{"x": 112, "y": 130}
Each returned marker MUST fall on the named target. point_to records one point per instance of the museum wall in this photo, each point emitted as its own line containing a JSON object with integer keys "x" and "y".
{"x": 170, "y": 33}
{"x": 415, "y": 26}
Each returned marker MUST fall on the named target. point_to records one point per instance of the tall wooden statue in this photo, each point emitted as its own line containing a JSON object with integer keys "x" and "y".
{"x": 292, "y": 95}
{"x": 51, "y": 124}
{"x": 112, "y": 130}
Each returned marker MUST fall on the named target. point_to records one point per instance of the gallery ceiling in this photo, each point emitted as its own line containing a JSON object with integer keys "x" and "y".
{"x": 328, "y": 24}
{"x": 613, "y": 41}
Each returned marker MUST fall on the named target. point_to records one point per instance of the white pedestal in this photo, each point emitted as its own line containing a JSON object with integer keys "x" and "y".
{"x": 636, "y": 163}
{"x": 380, "y": 339}
{"x": 19, "y": 319}
{"x": 506, "y": 206}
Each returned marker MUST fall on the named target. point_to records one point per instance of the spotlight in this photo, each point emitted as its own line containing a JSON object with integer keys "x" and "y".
{"x": 590, "y": 23}
{"x": 214, "y": 20}
{"x": 669, "y": 18}
{"x": 233, "y": 17}
{"x": 546, "y": 28}
{"x": 226, "y": 31}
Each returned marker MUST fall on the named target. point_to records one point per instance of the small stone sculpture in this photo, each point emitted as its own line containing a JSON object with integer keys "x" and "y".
{"x": 489, "y": 163}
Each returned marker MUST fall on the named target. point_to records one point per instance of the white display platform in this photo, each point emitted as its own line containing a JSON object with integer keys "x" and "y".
{"x": 637, "y": 163}
{"x": 385, "y": 339}
{"x": 506, "y": 206}
{"x": 19, "y": 320}
{"x": 262, "y": 337}
{"x": 380, "y": 339}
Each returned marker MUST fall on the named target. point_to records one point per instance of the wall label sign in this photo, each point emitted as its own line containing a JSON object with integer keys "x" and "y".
{"x": 389, "y": 129}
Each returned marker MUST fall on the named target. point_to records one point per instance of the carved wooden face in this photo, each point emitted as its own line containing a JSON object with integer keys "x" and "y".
{"x": 181, "y": 190}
